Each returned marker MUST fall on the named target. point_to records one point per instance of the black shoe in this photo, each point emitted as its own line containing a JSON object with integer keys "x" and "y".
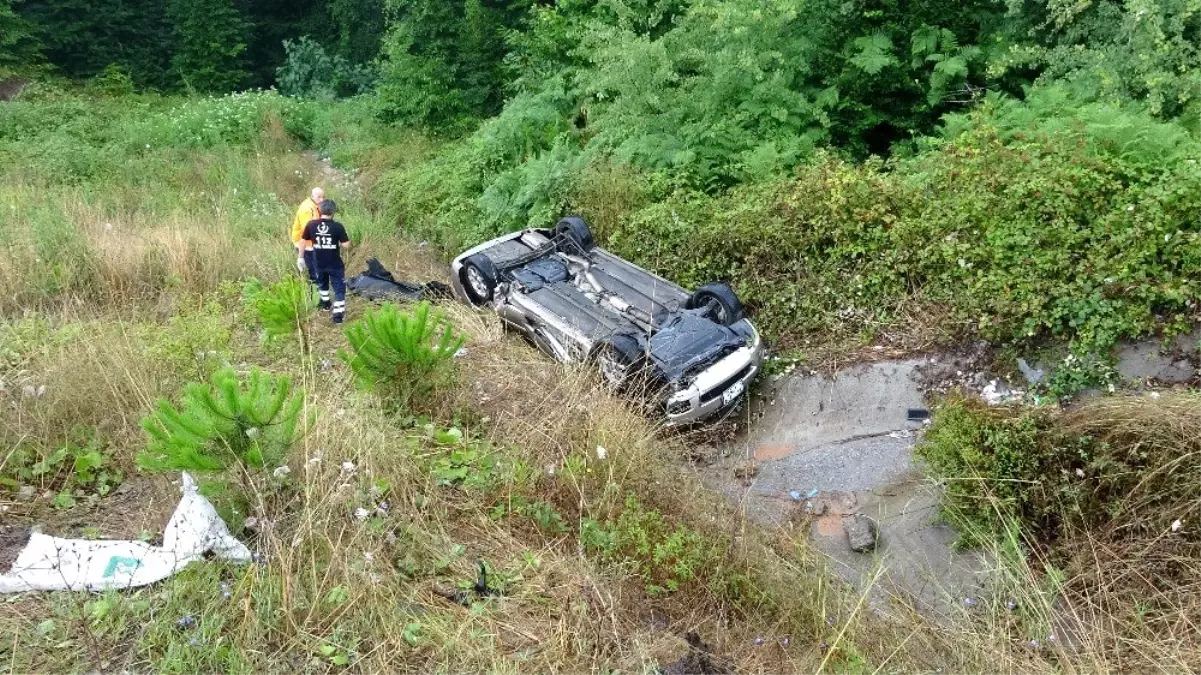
{"x": 325, "y": 305}
{"x": 338, "y": 317}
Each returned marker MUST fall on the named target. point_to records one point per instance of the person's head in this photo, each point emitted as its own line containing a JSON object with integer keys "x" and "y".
{"x": 328, "y": 208}
{"x": 318, "y": 195}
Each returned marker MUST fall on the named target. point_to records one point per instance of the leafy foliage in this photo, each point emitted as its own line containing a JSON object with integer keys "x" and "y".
{"x": 80, "y": 467}
{"x": 224, "y": 424}
{"x": 310, "y": 72}
{"x": 212, "y": 36}
{"x": 667, "y": 556}
{"x": 19, "y": 47}
{"x": 405, "y": 356}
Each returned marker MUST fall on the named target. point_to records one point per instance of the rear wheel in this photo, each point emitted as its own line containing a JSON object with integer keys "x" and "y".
{"x": 478, "y": 276}
{"x": 577, "y": 231}
{"x": 723, "y": 305}
{"x": 620, "y": 361}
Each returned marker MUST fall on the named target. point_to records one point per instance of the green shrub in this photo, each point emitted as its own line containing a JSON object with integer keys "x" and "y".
{"x": 310, "y": 72}
{"x": 225, "y": 424}
{"x": 666, "y": 556}
{"x": 999, "y": 466}
{"x": 405, "y": 356}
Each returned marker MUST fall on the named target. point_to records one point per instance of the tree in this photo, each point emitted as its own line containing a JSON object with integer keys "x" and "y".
{"x": 19, "y": 48}
{"x": 443, "y": 60}
{"x": 360, "y": 28}
{"x": 211, "y": 40}
{"x": 83, "y": 37}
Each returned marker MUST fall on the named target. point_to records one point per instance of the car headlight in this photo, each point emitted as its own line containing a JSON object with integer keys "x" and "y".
{"x": 677, "y": 407}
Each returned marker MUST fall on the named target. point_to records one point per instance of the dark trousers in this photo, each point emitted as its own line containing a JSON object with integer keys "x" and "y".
{"x": 336, "y": 277}
{"x": 310, "y": 264}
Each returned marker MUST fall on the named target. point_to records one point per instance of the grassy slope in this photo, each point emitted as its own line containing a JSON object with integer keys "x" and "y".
{"x": 108, "y": 325}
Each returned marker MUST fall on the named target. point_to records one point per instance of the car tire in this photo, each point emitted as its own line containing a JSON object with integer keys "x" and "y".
{"x": 620, "y": 361}
{"x": 576, "y": 229}
{"x": 478, "y": 277}
{"x": 728, "y": 309}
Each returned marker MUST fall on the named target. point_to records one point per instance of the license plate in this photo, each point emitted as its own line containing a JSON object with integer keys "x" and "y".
{"x": 732, "y": 393}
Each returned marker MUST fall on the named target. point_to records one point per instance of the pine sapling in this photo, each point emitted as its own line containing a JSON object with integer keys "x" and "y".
{"x": 285, "y": 308}
{"x": 404, "y": 356}
{"x": 224, "y": 424}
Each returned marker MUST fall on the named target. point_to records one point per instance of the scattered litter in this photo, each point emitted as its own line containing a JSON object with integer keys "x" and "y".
{"x": 905, "y": 433}
{"x": 812, "y": 494}
{"x": 50, "y": 563}
{"x": 996, "y": 393}
{"x": 1177, "y": 524}
{"x": 461, "y": 353}
{"x": 377, "y": 283}
{"x": 463, "y": 598}
{"x": 281, "y": 471}
{"x": 796, "y": 496}
{"x": 361, "y": 513}
{"x": 601, "y": 452}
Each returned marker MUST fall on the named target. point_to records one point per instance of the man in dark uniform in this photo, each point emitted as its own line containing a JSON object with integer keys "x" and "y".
{"x": 327, "y": 237}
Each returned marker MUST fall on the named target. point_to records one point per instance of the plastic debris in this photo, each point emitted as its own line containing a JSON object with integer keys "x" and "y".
{"x": 50, "y": 563}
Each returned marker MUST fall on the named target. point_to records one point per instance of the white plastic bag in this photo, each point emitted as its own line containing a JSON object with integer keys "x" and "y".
{"x": 50, "y": 563}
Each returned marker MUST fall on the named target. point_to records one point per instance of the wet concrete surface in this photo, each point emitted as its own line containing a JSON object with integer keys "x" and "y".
{"x": 828, "y": 447}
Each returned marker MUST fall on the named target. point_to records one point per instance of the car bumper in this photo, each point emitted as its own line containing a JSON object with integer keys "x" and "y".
{"x": 717, "y": 389}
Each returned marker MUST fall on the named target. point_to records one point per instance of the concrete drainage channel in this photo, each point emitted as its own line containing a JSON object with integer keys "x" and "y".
{"x": 835, "y": 455}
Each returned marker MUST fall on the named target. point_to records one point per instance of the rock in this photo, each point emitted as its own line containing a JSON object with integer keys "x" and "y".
{"x": 746, "y": 471}
{"x": 26, "y": 493}
{"x": 861, "y": 532}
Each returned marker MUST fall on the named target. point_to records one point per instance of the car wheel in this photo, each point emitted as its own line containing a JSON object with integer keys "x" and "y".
{"x": 620, "y": 361}
{"x": 478, "y": 276}
{"x": 575, "y": 229}
{"x": 724, "y": 306}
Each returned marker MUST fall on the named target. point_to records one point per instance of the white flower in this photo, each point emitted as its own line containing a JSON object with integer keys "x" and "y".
{"x": 1177, "y": 524}
{"x": 147, "y": 146}
{"x": 601, "y": 452}
{"x": 1080, "y": 473}
{"x": 361, "y": 513}
{"x": 252, "y": 432}
{"x": 281, "y": 471}
{"x": 108, "y": 227}
{"x": 368, "y": 556}
{"x": 347, "y": 467}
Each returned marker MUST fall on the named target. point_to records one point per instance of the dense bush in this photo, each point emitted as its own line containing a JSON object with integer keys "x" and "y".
{"x": 311, "y": 72}
{"x": 1113, "y": 471}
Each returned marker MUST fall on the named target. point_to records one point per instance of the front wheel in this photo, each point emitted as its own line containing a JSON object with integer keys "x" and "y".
{"x": 722, "y": 304}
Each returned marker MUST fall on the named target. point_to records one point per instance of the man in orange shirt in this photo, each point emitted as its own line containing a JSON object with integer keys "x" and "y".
{"x": 309, "y": 210}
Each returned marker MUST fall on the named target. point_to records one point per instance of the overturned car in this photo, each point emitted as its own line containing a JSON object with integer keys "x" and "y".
{"x": 693, "y": 354}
